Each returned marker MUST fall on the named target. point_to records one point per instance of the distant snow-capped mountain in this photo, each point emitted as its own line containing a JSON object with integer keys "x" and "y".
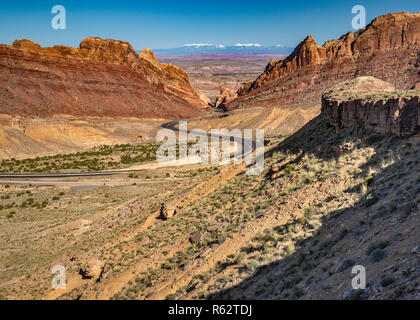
{"x": 206, "y": 48}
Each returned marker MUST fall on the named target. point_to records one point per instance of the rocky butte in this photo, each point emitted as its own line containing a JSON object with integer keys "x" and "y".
{"x": 101, "y": 78}
{"x": 388, "y": 48}
{"x": 63, "y": 99}
{"x": 375, "y": 104}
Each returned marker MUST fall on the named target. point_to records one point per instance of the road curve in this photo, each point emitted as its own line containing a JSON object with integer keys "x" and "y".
{"x": 61, "y": 175}
{"x": 239, "y": 155}
{"x": 169, "y": 125}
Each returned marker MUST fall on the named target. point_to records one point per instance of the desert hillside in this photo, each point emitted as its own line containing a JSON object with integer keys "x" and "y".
{"x": 275, "y": 121}
{"x": 331, "y": 196}
{"x": 103, "y": 78}
{"x": 95, "y": 204}
{"x": 62, "y": 99}
{"x": 388, "y": 48}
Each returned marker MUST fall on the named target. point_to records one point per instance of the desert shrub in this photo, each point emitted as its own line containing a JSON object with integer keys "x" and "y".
{"x": 376, "y": 245}
{"x": 289, "y": 169}
{"x": 298, "y": 292}
{"x": 387, "y": 281}
{"x": 377, "y": 255}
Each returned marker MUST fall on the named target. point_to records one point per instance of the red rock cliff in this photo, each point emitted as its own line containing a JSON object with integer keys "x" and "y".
{"x": 101, "y": 78}
{"x": 388, "y": 48}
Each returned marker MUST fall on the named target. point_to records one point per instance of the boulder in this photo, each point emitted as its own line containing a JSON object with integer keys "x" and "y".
{"x": 92, "y": 269}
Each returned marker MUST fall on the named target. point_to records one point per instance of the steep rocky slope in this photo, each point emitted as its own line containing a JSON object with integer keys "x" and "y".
{"x": 225, "y": 96}
{"x": 388, "y": 48}
{"x": 375, "y": 104}
{"x": 337, "y": 199}
{"x": 102, "y": 78}
{"x": 62, "y": 99}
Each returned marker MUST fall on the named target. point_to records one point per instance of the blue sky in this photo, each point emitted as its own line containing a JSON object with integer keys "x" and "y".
{"x": 168, "y": 24}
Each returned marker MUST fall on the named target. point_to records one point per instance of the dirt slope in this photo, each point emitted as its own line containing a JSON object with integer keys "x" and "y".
{"x": 275, "y": 121}
{"x": 29, "y": 138}
{"x": 327, "y": 200}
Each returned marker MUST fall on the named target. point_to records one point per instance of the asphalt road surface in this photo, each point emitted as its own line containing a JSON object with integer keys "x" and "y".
{"x": 168, "y": 125}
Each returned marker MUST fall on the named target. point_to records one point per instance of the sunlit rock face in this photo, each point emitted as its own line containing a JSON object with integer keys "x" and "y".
{"x": 388, "y": 49}
{"x": 104, "y": 78}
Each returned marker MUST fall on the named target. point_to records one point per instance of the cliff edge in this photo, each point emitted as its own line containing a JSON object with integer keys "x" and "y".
{"x": 375, "y": 104}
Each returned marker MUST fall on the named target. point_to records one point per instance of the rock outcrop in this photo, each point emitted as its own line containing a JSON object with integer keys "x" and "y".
{"x": 92, "y": 269}
{"x": 374, "y": 104}
{"x": 101, "y": 78}
{"x": 149, "y": 57}
{"x": 388, "y": 48}
{"x": 226, "y": 95}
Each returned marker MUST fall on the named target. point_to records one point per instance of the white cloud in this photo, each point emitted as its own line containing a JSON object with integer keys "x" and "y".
{"x": 280, "y": 45}
{"x": 220, "y": 46}
{"x": 247, "y": 45}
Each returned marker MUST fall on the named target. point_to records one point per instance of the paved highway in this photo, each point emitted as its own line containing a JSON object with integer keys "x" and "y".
{"x": 168, "y": 125}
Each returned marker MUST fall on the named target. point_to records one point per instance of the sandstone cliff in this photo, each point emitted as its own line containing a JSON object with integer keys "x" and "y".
{"x": 102, "y": 78}
{"x": 374, "y": 104}
{"x": 388, "y": 48}
{"x": 226, "y": 95}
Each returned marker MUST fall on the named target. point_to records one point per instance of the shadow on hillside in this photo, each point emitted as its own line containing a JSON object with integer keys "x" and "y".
{"x": 319, "y": 138}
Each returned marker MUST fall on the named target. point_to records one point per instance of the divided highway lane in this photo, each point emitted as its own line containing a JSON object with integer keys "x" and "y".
{"x": 61, "y": 175}
{"x": 169, "y": 125}
{"x": 238, "y": 155}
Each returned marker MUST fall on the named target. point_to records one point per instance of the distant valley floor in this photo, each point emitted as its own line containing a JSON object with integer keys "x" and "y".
{"x": 207, "y": 75}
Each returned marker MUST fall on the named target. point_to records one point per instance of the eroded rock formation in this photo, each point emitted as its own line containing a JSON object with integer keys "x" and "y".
{"x": 388, "y": 48}
{"x": 226, "y": 95}
{"x": 101, "y": 78}
{"x": 375, "y": 104}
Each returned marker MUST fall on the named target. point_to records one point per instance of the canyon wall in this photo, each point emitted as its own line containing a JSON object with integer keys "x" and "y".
{"x": 375, "y": 104}
{"x": 388, "y": 48}
{"x": 101, "y": 78}
{"x": 62, "y": 99}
